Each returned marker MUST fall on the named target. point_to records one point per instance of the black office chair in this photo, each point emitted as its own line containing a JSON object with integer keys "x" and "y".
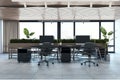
{"x": 80, "y": 41}
{"x": 46, "y": 50}
{"x": 90, "y": 50}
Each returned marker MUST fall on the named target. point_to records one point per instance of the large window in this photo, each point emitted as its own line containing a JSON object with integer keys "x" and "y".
{"x": 109, "y": 26}
{"x": 51, "y": 29}
{"x": 87, "y": 28}
{"x": 32, "y": 27}
{"x": 67, "y": 30}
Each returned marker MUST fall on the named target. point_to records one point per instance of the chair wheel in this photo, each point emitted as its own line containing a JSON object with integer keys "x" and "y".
{"x": 38, "y": 64}
{"x": 52, "y": 62}
{"x": 88, "y": 65}
{"x": 84, "y": 63}
{"x": 47, "y": 63}
{"x": 81, "y": 63}
{"x": 97, "y": 65}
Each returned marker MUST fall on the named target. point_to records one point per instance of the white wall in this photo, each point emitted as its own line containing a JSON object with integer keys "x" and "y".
{"x": 1, "y": 36}
{"x": 117, "y": 35}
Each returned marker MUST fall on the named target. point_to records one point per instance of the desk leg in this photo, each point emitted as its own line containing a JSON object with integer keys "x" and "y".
{"x": 41, "y": 57}
{"x": 9, "y": 54}
{"x": 73, "y": 54}
{"x": 58, "y": 54}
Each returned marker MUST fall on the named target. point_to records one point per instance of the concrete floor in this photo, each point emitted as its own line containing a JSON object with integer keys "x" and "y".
{"x": 10, "y": 69}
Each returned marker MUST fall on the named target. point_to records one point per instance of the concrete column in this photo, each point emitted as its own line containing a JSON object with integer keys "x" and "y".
{"x": 117, "y": 35}
{"x": 1, "y": 36}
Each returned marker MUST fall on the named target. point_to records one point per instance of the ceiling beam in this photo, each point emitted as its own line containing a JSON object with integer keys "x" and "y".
{"x": 25, "y": 5}
{"x": 110, "y": 4}
{"x": 64, "y": 0}
{"x": 68, "y": 4}
{"x": 91, "y": 5}
{"x": 45, "y": 4}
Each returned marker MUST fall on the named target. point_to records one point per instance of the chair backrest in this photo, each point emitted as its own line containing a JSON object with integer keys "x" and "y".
{"x": 46, "y": 48}
{"x": 89, "y": 47}
{"x": 82, "y": 39}
{"x": 46, "y": 39}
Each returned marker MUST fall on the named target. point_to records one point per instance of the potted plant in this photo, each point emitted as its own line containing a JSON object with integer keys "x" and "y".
{"x": 106, "y": 34}
{"x": 27, "y": 33}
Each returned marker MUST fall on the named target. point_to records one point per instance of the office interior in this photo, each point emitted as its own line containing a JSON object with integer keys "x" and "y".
{"x": 62, "y": 19}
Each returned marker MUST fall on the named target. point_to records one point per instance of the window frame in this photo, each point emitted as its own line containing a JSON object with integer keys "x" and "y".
{"x": 74, "y": 25}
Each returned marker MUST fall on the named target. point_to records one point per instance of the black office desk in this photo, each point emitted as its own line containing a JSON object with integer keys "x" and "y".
{"x": 59, "y": 47}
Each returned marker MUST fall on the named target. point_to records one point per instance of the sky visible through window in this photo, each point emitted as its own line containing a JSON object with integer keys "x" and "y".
{"x": 86, "y": 28}
{"x": 32, "y": 27}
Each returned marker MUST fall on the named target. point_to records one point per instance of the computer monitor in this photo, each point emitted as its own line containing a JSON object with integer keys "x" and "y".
{"x": 46, "y": 39}
{"x": 82, "y": 39}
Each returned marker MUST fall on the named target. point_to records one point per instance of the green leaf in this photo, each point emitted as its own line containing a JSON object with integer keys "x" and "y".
{"x": 110, "y": 33}
{"x": 31, "y": 33}
{"x": 26, "y": 32}
{"x": 103, "y": 30}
